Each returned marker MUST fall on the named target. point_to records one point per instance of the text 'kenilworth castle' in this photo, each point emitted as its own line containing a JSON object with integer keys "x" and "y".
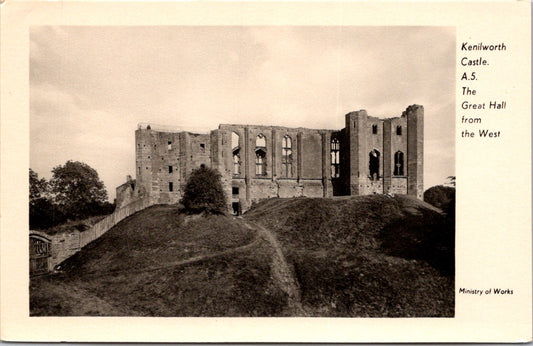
{"x": 369, "y": 155}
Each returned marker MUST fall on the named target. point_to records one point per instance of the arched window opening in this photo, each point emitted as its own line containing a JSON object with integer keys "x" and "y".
{"x": 335, "y": 158}
{"x": 398, "y": 130}
{"x": 374, "y": 164}
{"x": 375, "y": 129}
{"x": 260, "y": 162}
{"x": 260, "y": 155}
{"x": 236, "y": 153}
{"x": 234, "y": 141}
{"x": 260, "y": 141}
{"x": 286, "y": 156}
{"x": 398, "y": 163}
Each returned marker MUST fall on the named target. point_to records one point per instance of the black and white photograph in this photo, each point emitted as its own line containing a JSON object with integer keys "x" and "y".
{"x": 242, "y": 171}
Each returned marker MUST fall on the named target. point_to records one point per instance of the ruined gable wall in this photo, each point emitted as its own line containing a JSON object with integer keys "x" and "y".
{"x": 125, "y": 193}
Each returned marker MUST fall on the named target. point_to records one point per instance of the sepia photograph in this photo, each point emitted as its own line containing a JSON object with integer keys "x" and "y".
{"x": 265, "y": 172}
{"x": 242, "y": 171}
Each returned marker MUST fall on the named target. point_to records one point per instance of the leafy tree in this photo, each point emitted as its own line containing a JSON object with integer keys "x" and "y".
{"x": 204, "y": 192}
{"x": 451, "y": 180}
{"x": 38, "y": 187}
{"x": 77, "y": 189}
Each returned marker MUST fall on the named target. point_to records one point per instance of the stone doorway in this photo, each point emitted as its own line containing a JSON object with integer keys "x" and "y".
{"x": 236, "y": 208}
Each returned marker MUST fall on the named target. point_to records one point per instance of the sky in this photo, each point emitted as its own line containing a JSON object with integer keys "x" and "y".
{"x": 91, "y": 85}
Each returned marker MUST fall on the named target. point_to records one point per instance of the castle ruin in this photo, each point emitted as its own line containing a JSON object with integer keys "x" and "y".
{"x": 368, "y": 156}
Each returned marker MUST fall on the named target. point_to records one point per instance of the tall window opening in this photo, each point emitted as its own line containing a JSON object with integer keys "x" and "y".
{"x": 374, "y": 129}
{"x": 335, "y": 158}
{"x": 170, "y": 169}
{"x": 236, "y": 163}
{"x": 374, "y": 164}
{"x": 398, "y": 163}
{"x": 398, "y": 130}
{"x": 169, "y": 145}
{"x": 260, "y": 155}
{"x": 236, "y": 153}
{"x": 286, "y": 156}
{"x": 170, "y": 187}
{"x": 260, "y": 162}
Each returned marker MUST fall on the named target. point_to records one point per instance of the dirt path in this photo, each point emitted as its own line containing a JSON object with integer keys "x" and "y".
{"x": 207, "y": 256}
{"x": 281, "y": 271}
{"x": 190, "y": 260}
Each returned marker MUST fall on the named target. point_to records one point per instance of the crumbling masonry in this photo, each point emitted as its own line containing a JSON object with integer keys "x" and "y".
{"x": 368, "y": 156}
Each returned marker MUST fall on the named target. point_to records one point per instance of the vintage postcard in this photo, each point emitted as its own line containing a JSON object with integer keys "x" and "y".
{"x": 266, "y": 171}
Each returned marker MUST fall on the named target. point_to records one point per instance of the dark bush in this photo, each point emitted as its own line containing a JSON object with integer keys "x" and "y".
{"x": 45, "y": 214}
{"x": 440, "y": 196}
{"x": 204, "y": 192}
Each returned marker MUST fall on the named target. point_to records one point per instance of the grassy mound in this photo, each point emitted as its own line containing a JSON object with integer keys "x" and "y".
{"x": 159, "y": 262}
{"x": 366, "y": 255}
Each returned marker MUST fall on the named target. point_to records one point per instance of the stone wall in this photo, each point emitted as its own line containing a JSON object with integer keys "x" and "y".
{"x": 64, "y": 245}
{"x": 311, "y": 144}
{"x": 398, "y": 185}
{"x": 126, "y": 193}
{"x": 288, "y": 188}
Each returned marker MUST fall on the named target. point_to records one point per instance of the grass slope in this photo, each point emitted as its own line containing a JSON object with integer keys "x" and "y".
{"x": 140, "y": 268}
{"x": 366, "y": 255}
